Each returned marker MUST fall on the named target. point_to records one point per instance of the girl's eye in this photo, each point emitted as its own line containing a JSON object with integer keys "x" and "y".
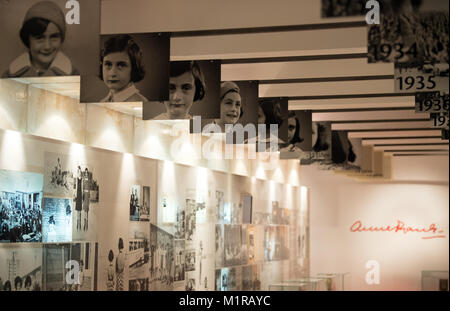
{"x": 186, "y": 87}
{"x": 172, "y": 87}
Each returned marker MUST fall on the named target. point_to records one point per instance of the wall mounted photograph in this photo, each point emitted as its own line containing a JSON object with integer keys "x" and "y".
{"x": 193, "y": 90}
{"x": 133, "y": 68}
{"x": 20, "y": 206}
{"x": 46, "y": 38}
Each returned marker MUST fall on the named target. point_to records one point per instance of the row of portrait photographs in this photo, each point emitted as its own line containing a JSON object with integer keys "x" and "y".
{"x": 415, "y": 32}
{"x": 49, "y": 267}
{"x": 71, "y": 197}
{"x": 244, "y": 278}
{"x": 49, "y": 38}
{"x": 139, "y": 203}
{"x": 21, "y": 195}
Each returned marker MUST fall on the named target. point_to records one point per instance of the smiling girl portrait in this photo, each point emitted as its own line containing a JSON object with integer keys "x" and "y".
{"x": 38, "y": 42}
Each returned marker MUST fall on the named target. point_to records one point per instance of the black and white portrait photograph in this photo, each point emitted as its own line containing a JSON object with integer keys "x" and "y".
{"x": 20, "y": 206}
{"x": 58, "y": 276}
{"x": 144, "y": 212}
{"x": 21, "y": 268}
{"x": 114, "y": 268}
{"x": 273, "y": 115}
{"x": 251, "y": 247}
{"x": 135, "y": 194}
{"x": 341, "y": 8}
{"x": 232, "y": 245}
{"x": 341, "y": 148}
{"x": 86, "y": 197}
{"x": 194, "y": 88}
{"x": 219, "y": 246}
{"x": 190, "y": 260}
{"x": 321, "y": 144}
{"x": 299, "y": 135}
{"x": 44, "y": 38}
{"x": 59, "y": 175}
{"x": 238, "y": 105}
{"x": 224, "y": 275}
{"x": 133, "y": 68}
{"x": 191, "y": 219}
{"x": 162, "y": 267}
{"x": 410, "y": 31}
{"x": 179, "y": 253}
{"x": 57, "y": 220}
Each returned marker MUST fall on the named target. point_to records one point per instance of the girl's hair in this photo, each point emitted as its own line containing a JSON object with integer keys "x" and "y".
{"x": 124, "y": 43}
{"x": 272, "y": 111}
{"x": 17, "y": 280}
{"x": 34, "y": 27}
{"x": 180, "y": 67}
{"x": 120, "y": 243}
{"x": 321, "y": 144}
{"x": 28, "y": 281}
{"x": 7, "y": 286}
{"x": 296, "y": 138}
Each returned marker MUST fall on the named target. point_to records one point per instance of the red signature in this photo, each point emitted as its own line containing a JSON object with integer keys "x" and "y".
{"x": 400, "y": 227}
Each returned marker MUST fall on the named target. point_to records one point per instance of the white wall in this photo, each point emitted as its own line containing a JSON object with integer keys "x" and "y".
{"x": 418, "y": 196}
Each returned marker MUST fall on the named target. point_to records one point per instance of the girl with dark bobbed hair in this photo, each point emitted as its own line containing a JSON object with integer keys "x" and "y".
{"x": 269, "y": 112}
{"x": 121, "y": 67}
{"x": 43, "y": 32}
{"x": 186, "y": 86}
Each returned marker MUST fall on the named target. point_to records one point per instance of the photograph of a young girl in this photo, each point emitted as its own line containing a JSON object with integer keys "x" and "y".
{"x": 133, "y": 68}
{"x": 238, "y": 105}
{"x": 299, "y": 135}
{"x": 272, "y": 113}
{"x": 193, "y": 90}
{"x": 37, "y": 41}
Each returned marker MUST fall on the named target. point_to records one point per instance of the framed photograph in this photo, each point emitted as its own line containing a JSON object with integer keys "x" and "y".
{"x": 133, "y": 68}
{"x": 193, "y": 90}
{"x": 46, "y": 38}
{"x": 57, "y": 220}
{"x": 20, "y": 206}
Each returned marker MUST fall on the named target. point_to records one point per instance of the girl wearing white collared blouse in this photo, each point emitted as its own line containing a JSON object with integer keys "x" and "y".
{"x": 122, "y": 67}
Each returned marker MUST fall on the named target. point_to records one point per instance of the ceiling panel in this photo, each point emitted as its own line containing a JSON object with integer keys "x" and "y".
{"x": 369, "y": 115}
{"x": 326, "y": 88}
{"x": 380, "y": 125}
{"x": 404, "y": 141}
{"x": 381, "y": 133}
{"x": 409, "y": 148}
{"x": 305, "y": 69}
{"x": 353, "y": 103}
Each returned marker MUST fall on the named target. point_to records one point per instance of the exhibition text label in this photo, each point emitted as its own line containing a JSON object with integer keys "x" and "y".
{"x": 400, "y": 227}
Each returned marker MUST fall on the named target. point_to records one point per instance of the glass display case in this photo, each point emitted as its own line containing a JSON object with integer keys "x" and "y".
{"x": 292, "y": 286}
{"x": 435, "y": 280}
{"x": 320, "y": 284}
{"x": 334, "y": 281}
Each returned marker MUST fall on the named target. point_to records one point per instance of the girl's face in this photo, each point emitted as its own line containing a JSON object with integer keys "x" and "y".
{"x": 230, "y": 108}
{"x": 43, "y": 48}
{"x": 181, "y": 95}
{"x": 261, "y": 116}
{"x": 117, "y": 71}
{"x": 292, "y": 126}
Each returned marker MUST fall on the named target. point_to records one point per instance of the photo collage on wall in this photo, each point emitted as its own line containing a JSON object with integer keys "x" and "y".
{"x": 72, "y": 194}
